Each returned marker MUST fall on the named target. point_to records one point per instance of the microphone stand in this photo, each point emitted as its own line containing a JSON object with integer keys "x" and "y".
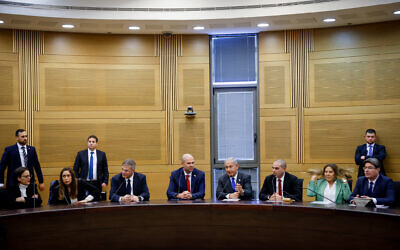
{"x": 320, "y": 195}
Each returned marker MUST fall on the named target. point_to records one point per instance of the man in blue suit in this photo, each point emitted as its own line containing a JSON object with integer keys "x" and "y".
{"x": 129, "y": 186}
{"x": 91, "y": 164}
{"x": 369, "y": 150}
{"x": 187, "y": 182}
{"x": 19, "y": 155}
{"x": 374, "y": 185}
{"x": 234, "y": 185}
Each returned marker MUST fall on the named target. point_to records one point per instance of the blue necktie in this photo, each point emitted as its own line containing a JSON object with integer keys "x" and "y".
{"x": 128, "y": 187}
{"x": 91, "y": 166}
{"x": 233, "y": 183}
{"x": 369, "y": 151}
{"x": 371, "y": 185}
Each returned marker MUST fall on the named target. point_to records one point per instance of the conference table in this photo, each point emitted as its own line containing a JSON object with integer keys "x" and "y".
{"x": 162, "y": 224}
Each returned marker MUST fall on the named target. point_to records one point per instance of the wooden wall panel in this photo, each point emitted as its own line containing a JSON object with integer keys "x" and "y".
{"x": 195, "y": 46}
{"x": 358, "y": 36}
{"x": 9, "y": 87}
{"x": 271, "y": 42}
{"x": 140, "y": 139}
{"x": 365, "y": 80}
{"x": 278, "y": 138}
{"x": 6, "y": 41}
{"x": 275, "y": 87}
{"x": 334, "y": 138}
{"x": 99, "y": 87}
{"x": 192, "y": 136}
{"x": 99, "y": 44}
{"x": 193, "y": 86}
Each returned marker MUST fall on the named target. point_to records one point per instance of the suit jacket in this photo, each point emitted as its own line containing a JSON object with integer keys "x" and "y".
{"x": 290, "y": 188}
{"x": 84, "y": 189}
{"x": 81, "y": 166}
{"x": 139, "y": 187}
{"x": 342, "y": 190}
{"x": 12, "y": 160}
{"x": 14, "y": 192}
{"x": 225, "y": 186}
{"x": 379, "y": 152}
{"x": 177, "y": 184}
{"x": 383, "y": 190}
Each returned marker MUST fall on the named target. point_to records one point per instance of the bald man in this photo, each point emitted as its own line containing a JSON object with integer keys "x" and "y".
{"x": 187, "y": 182}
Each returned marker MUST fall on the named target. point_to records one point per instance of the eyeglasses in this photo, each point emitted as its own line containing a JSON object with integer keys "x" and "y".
{"x": 26, "y": 176}
{"x": 365, "y": 168}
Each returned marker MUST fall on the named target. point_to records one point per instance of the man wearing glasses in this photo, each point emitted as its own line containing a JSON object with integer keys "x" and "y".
{"x": 374, "y": 185}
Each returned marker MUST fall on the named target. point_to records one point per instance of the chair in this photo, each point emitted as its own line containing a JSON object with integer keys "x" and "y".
{"x": 396, "y": 187}
{"x": 52, "y": 184}
{"x": 300, "y": 188}
{"x": 350, "y": 182}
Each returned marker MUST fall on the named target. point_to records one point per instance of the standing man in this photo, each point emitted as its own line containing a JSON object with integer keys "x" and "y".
{"x": 374, "y": 185}
{"x": 19, "y": 155}
{"x": 369, "y": 150}
{"x": 280, "y": 184}
{"x": 234, "y": 185}
{"x": 187, "y": 182}
{"x": 91, "y": 164}
{"x": 129, "y": 186}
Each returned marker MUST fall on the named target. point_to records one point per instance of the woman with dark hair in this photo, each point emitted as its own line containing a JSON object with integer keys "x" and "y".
{"x": 329, "y": 188}
{"x": 70, "y": 190}
{"x": 23, "y": 194}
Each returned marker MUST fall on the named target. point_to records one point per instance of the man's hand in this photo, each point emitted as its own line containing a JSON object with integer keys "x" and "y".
{"x": 41, "y": 186}
{"x": 275, "y": 197}
{"x": 126, "y": 198}
{"x": 185, "y": 195}
{"x": 20, "y": 199}
{"x": 234, "y": 195}
{"x": 103, "y": 185}
{"x": 239, "y": 189}
{"x": 362, "y": 157}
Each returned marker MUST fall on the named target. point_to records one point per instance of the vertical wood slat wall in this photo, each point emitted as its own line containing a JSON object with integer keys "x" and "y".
{"x": 168, "y": 49}
{"x": 299, "y": 43}
{"x": 29, "y": 45}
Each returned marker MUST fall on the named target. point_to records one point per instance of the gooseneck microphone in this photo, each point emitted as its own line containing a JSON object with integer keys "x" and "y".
{"x": 320, "y": 195}
{"x": 116, "y": 191}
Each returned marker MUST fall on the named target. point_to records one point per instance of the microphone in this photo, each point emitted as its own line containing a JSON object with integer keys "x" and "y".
{"x": 65, "y": 198}
{"x": 115, "y": 193}
{"x": 320, "y": 195}
{"x": 273, "y": 186}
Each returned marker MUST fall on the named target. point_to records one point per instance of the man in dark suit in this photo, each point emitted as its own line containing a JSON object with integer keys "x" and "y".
{"x": 19, "y": 155}
{"x": 374, "y": 185}
{"x": 369, "y": 150}
{"x": 91, "y": 164}
{"x": 129, "y": 186}
{"x": 234, "y": 185}
{"x": 187, "y": 182}
{"x": 280, "y": 184}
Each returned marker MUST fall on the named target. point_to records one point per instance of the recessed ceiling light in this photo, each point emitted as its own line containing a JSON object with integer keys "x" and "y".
{"x": 329, "y": 20}
{"x": 262, "y": 25}
{"x": 1, "y": 21}
{"x": 397, "y": 12}
{"x": 198, "y": 27}
{"x": 134, "y": 28}
{"x": 68, "y": 26}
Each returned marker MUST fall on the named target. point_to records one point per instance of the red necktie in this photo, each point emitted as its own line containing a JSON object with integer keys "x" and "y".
{"x": 280, "y": 187}
{"x": 188, "y": 183}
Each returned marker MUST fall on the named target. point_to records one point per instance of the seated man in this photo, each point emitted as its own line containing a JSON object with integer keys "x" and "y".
{"x": 234, "y": 185}
{"x": 286, "y": 186}
{"x": 374, "y": 185}
{"x": 129, "y": 186}
{"x": 187, "y": 182}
